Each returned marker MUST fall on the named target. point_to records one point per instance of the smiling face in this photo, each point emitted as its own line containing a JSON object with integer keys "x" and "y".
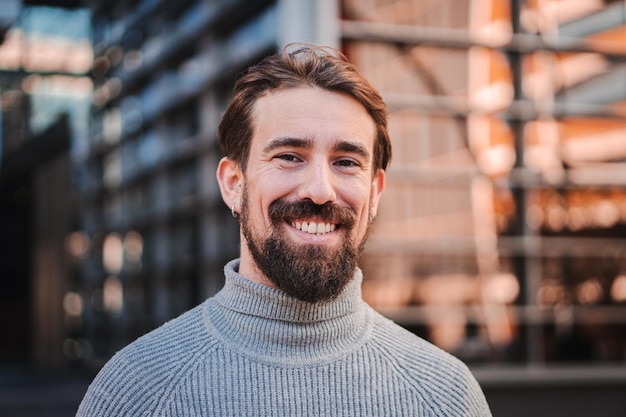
{"x": 308, "y": 192}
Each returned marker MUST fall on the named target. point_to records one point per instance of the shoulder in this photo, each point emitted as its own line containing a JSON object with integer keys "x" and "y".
{"x": 442, "y": 379}
{"x": 134, "y": 380}
{"x": 410, "y": 350}
{"x": 177, "y": 338}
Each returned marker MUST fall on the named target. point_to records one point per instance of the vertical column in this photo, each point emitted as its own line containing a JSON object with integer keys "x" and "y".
{"x": 528, "y": 264}
{"x": 50, "y": 268}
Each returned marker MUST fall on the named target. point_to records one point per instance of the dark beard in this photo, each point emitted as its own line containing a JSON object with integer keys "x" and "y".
{"x": 310, "y": 273}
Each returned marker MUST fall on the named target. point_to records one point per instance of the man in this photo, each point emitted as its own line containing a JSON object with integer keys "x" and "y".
{"x": 306, "y": 146}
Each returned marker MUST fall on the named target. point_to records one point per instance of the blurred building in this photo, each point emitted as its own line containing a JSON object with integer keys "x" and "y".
{"x": 46, "y": 94}
{"x": 501, "y": 235}
{"x": 505, "y": 212}
{"x": 45, "y": 91}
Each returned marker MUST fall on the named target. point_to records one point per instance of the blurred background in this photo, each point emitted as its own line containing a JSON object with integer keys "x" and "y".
{"x": 502, "y": 232}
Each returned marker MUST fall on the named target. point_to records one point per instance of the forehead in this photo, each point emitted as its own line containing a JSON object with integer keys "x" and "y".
{"x": 312, "y": 113}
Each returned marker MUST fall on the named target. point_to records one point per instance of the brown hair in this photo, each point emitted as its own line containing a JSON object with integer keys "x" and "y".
{"x": 299, "y": 65}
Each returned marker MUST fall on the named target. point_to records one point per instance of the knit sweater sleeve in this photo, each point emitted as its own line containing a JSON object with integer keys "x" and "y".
{"x": 140, "y": 378}
{"x": 120, "y": 389}
{"x": 440, "y": 379}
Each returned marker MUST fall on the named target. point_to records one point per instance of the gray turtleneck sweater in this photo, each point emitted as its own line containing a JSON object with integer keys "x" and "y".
{"x": 254, "y": 351}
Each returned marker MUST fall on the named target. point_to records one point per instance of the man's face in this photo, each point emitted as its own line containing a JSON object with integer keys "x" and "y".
{"x": 309, "y": 192}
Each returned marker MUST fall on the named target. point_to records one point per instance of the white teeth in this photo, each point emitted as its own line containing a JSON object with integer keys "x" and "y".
{"x": 314, "y": 228}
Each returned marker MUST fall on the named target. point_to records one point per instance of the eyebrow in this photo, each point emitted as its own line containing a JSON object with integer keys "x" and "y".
{"x": 351, "y": 147}
{"x": 307, "y": 143}
{"x": 288, "y": 142}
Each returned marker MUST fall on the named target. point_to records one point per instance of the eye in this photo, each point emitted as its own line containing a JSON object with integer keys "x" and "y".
{"x": 287, "y": 157}
{"x": 347, "y": 163}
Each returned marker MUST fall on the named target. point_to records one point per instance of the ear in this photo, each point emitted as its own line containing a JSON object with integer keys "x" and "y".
{"x": 378, "y": 184}
{"x": 229, "y": 178}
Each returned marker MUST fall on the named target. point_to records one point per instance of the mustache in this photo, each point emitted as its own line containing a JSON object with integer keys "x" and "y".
{"x": 280, "y": 210}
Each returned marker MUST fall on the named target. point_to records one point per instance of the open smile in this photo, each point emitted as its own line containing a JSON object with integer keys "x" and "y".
{"x": 314, "y": 228}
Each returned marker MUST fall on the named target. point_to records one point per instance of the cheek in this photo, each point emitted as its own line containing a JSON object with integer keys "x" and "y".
{"x": 264, "y": 191}
{"x": 359, "y": 198}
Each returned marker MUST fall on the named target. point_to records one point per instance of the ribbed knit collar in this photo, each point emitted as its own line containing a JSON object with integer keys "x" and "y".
{"x": 269, "y": 325}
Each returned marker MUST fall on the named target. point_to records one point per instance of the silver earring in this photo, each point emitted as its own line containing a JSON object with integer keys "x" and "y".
{"x": 232, "y": 211}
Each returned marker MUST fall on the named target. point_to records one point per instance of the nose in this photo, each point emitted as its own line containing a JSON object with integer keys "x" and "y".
{"x": 317, "y": 183}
